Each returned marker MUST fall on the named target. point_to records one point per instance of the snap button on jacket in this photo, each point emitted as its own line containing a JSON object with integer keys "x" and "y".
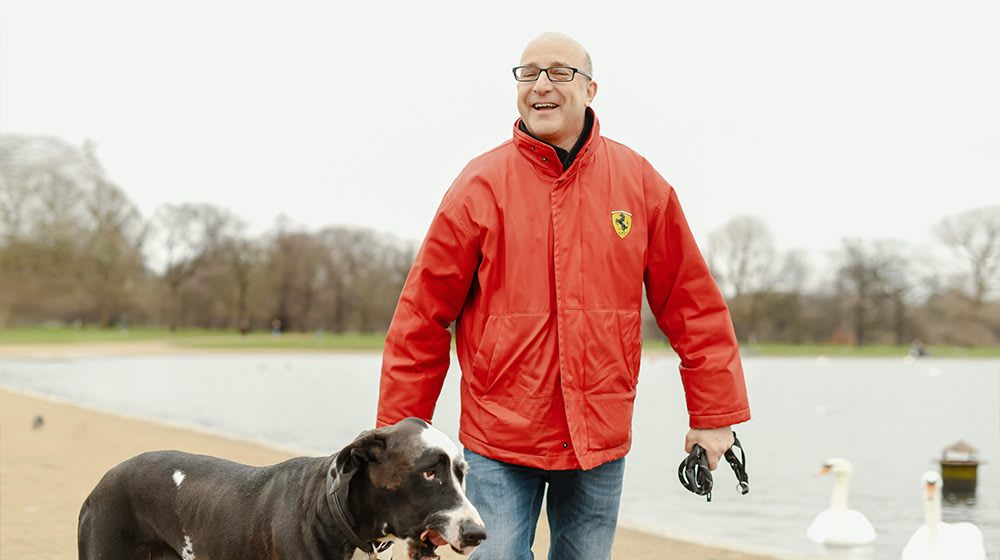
{"x": 543, "y": 270}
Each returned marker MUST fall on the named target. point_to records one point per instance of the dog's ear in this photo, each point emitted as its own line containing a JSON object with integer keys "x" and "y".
{"x": 369, "y": 447}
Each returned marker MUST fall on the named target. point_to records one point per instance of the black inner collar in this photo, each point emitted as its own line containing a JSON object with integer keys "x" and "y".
{"x": 565, "y": 157}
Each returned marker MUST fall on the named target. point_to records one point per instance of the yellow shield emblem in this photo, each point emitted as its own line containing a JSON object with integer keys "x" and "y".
{"x": 622, "y": 222}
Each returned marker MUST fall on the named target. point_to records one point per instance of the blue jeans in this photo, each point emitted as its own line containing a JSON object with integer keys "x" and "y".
{"x": 582, "y": 508}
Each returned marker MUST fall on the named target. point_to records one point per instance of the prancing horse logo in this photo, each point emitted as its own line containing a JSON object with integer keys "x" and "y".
{"x": 622, "y": 221}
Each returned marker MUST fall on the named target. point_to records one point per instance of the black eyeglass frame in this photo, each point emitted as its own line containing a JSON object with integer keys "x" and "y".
{"x": 549, "y": 76}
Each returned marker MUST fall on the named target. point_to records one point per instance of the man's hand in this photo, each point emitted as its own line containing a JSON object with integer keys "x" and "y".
{"x": 715, "y": 442}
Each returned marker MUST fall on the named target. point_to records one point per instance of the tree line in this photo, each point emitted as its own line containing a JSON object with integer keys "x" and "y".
{"x": 74, "y": 249}
{"x": 870, "y": 291}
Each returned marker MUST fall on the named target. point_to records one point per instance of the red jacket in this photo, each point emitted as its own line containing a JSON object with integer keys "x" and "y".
{"x": 543, "y": 271}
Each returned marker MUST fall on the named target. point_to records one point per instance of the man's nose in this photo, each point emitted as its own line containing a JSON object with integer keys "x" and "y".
{"x": 542, "y": 84}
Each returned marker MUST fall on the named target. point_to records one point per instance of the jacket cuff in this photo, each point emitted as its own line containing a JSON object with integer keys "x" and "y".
{"x": 710, "y": 421}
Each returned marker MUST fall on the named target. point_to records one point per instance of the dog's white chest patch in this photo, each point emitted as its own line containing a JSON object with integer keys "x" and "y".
{"x": 187, "y": 553}
{"x": 178, "y": 479}
{"x": 361, "y": 555}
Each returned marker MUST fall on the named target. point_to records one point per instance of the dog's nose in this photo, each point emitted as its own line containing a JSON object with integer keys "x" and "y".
{"x": 472, "y": 533}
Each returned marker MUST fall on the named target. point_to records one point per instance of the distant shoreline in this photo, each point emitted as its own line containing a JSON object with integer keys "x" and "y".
{"x": 67, "y": 344}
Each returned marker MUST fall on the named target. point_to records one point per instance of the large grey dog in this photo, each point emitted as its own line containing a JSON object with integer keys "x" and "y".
{"x": 404, "y": 481}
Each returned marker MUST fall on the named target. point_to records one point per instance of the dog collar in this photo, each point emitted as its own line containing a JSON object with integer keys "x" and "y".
{"x": 343, "y": 519}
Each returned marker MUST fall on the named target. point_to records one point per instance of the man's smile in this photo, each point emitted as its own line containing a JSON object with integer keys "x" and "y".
{"x": 544, "y": 106}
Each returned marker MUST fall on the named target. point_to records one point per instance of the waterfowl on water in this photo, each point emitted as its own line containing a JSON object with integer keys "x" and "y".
{"x": 840, "y": 525}
{"x": 935, "y": 540}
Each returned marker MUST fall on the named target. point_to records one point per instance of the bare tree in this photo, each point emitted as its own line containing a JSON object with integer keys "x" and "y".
{"x": 974, "y": 235}
{"x": 114, "y": 236}
{"x": 41, "y": 185}
{"x": 869, "y": 275}
{"x": 742, "y": 251}
{"x": 230, "y": 252}
{"x": 189, "y": 234}
{"x": 71, "y": 243}
{"x": 293, "y": 269}
{"x": 16, "y": 188}
{"x": 743, "y": 257}
{"x": 243, "y": 257}
{"x": 783, "y": 308}
{"x": 366, "y": 271}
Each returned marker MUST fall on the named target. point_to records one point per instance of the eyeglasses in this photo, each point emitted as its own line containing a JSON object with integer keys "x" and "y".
{"x": 554, "y": 73}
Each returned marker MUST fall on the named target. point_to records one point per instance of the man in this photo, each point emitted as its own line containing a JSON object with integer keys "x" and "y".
{"x": 539, "y": 252}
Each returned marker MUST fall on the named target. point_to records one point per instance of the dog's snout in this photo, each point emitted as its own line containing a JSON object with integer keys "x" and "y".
{"x": 472, "y": 533}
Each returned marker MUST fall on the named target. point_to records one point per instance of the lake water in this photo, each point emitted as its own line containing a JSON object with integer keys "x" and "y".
{"x": 889, "y": 417}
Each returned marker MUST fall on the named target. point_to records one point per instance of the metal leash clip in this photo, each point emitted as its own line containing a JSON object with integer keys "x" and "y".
{"x": 695, "y": 475}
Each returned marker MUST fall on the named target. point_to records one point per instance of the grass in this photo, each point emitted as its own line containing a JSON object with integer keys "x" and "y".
{"x": 194, "y": 338}
{"x": 289, "y": 341}
{"x": 874, "y": 351}
{"x": 63, "y": 335}
{"x": 325, "y": 341}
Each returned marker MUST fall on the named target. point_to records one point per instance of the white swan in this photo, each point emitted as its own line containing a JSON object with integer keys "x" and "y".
{"x": 935, "y": 540}
{"x": 840, "y": 526}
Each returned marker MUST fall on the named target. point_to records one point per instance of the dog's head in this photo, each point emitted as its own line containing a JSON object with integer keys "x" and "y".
{"x": 411, "y": 478}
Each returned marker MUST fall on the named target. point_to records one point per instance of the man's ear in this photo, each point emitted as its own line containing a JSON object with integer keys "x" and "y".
{"x": 591, "y": 92}
{"x": 369, "y": 447}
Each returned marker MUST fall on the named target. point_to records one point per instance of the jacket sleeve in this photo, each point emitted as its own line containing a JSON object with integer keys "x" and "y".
{"x": 417, "y": 347}
{"x": 691, "y": 312}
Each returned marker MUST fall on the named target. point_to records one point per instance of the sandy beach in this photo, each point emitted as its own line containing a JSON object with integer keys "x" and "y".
{"x": 46, "y": 473}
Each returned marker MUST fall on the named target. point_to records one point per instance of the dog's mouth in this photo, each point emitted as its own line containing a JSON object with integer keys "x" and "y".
{"x": 425, "y": 547}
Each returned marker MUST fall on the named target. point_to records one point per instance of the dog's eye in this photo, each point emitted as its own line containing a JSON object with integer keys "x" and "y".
{"x": 430, "y": 475}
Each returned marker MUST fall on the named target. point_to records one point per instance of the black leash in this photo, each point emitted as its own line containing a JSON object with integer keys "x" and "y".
{"x": 695, "y": 475}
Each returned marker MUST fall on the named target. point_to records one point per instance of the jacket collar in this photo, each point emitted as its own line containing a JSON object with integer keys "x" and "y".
{"x": 544, "y": 157}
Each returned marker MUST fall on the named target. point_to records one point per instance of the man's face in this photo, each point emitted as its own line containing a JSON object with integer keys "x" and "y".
{"x": 554, "y": 111}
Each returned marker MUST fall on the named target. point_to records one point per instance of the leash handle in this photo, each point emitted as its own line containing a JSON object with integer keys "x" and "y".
{"x": 694, "y": 474}
{"x": 739, "y": 466}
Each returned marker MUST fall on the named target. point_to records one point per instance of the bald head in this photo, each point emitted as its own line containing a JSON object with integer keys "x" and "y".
{"x": 563, "y": 43}
{"x": 555, "y": 111}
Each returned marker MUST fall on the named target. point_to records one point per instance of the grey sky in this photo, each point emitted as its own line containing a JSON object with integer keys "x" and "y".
{"x": 841, "y": 119}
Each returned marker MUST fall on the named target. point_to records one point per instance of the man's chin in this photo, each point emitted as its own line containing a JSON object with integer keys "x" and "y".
{"x": 545, "y": 129}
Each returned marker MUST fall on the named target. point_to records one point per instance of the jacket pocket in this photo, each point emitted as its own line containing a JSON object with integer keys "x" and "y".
{"x": 518, "y": 356}
{"x": 609, "y": 421}
{"x": 484, "y": 353}
{"x": 630, "y": 331}
{"x": 610, "y": 350}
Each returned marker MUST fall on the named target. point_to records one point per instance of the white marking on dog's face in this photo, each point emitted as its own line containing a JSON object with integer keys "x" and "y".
{"x": 187, "y": 553}
{"x": 178, "y": 477}
{"x": 434, "y": 438}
